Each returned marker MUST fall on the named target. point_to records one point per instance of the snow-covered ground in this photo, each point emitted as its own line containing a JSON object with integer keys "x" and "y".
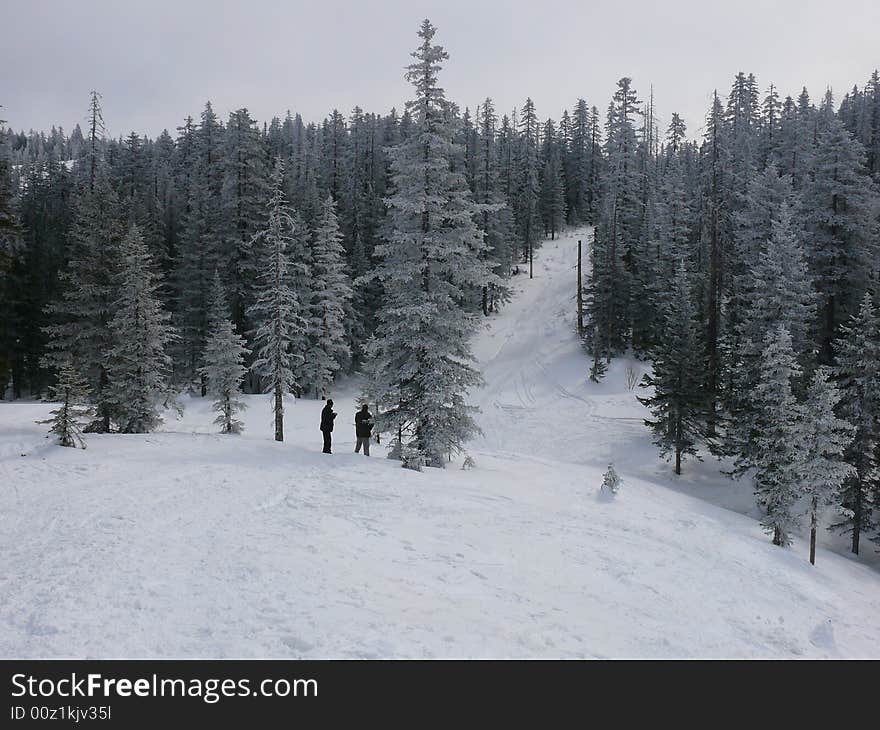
{"x": 188, "y": 543}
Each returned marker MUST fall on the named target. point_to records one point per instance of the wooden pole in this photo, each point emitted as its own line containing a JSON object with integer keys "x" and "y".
{"x": 580, "y": 295}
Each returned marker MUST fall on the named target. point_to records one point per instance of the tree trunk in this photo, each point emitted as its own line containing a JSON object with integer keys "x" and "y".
{"x": 813, "y": 509}
{"x": 279, "y": 414}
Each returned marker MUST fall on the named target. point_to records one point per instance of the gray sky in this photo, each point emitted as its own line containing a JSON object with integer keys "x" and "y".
{"x": 159, "y": 60}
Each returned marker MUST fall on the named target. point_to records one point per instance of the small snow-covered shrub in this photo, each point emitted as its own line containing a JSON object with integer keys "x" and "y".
{"x": 610, "y": 482}
{"x": 395, "y": 450}
{"x": 468, "y": 463}
{"x": 413, "y": 459}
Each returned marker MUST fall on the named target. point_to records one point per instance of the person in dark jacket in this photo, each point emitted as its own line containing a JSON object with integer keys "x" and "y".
{"x": 327, "y": 417}
{"x": 363, "y": 429}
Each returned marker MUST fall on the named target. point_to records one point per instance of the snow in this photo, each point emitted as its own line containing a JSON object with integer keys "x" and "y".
{"x": 188, "y": 543}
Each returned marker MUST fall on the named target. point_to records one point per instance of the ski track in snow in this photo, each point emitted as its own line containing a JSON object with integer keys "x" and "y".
{"x": 186, "y": 543}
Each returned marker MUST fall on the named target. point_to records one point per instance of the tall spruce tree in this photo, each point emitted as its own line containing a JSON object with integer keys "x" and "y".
{"x": 858, "y": 371}
{"x": 840, "y": 217}
{"x": 421, "y": 360}
{"x": 328, "y": 350}
{"x": 138, "y": 363}
{"x": 825, "y": 438}
{"x": 278, "y": 310}
{"x": 779, "y": 448}
{"x": 224, "y": 357}
{"x": 677, "y": 401}
{"x": 81, "y": 317}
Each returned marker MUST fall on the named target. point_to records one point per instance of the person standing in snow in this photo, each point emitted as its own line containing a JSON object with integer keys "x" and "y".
{"x": 327, "y": 418}
{"x": 363, "y": 429}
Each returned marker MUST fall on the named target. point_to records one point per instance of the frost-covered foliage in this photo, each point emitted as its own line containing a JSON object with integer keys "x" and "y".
{"x": 81, "y": 331}
{"x": 610, "y": 481}
{"x": 858, "y": 372}
{"x": 330, "y": 294}
{"x": 676, "y": 403}
{"x": 778, "y": 449}
{"x": 278, "y": 310}
{"x": 825, "y": 438}
{"x": 71, "y": 391}
{"x": 224, "y": 367}
{"x": 138, "y": 363}
{"x": 421, "y": 365}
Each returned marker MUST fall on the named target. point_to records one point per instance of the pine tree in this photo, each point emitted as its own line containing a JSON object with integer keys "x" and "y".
{"x": 825, "y": 438}
{"x": 331, "y": 292}
{"x": 610, "y": 481}
{"x": 779, "y": 446}
{"x": 421, "y": 361}
{"x": 81, "y": 332}
{"x": 243, "y": 194}
{"x": 71, "y": 391}
{"x": 527, "y": 187}
{"x": 677, "y": 401}
{"x": 552, "y": 191}
{"x": 858, "y": 371}
{"x": 496, "y": 220}
{"x": 224, "y": 357}
{"x": 278, "y": 310}
{"x": 838, "y": 204}
{"x": 780, "y": 291}
{"x": 138, "y": 364}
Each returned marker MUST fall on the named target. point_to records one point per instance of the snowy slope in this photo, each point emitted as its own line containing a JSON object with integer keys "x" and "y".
{"x": 188, "y": 543}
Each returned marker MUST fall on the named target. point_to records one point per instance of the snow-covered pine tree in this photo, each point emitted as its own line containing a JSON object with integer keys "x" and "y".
{"x": 527, "y": 185}
{"x": 497, "y": 218}
{"x": 243, "y": 196}
{"x": 858, "y": 371}
{"x": 552, "y": 191}
{"x": 677, "y": 402}
{"x": 71, "y": 391}
{"x": 81, "y": 331}
{"x": 331, "y": 292}
{"x": 138, "y": 362}
{"x": 825, "y": 438}
{"x": 278, "y": 310}
{"x": 839, "y": 208}
{"x": 421, "y": 360}
{"x": 779, "y": 291}
{"x": 610, "y": 481}
{"x": 779, "y": 449}
{"x": 223, "y": 367}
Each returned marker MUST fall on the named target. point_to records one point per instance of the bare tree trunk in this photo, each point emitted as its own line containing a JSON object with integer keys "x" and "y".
{"x": 813, "y": 509}
{"x": 279, "y": 414}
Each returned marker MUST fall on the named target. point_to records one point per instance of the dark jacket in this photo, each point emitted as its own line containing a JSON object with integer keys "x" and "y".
{"x": 363, "y": 424}
{"x": 327, "y": 416}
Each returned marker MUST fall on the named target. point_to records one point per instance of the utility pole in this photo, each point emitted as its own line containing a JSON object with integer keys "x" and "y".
{"x": 580, "y": 295}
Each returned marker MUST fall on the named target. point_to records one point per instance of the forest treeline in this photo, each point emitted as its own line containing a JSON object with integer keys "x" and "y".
{"x": 742, "y": 262}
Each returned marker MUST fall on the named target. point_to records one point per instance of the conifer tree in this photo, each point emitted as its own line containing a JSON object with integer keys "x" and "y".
{"x": 278, "y": 310}
{"x": 421, "y": 360}
{"x": 858, "y": 371}
{"x": 677, "y": 401}
{"x": 328, "y": 351}
{"x": 224, "y": 357}
{"x": 825, "y": 438}
{"x": 779, "y": 445}
{"x": 71, "y": 391}
{"x": 838, "y": 204}
{"x": 81, "y": 332}
{"x": 527, "y": 185}
{"x": 138, "y": 364}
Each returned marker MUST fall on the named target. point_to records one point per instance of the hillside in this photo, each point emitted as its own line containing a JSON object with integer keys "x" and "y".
{"x": 186, "y": 543}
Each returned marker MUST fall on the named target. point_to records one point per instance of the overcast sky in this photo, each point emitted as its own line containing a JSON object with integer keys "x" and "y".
{"x": 159, "y": 60}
